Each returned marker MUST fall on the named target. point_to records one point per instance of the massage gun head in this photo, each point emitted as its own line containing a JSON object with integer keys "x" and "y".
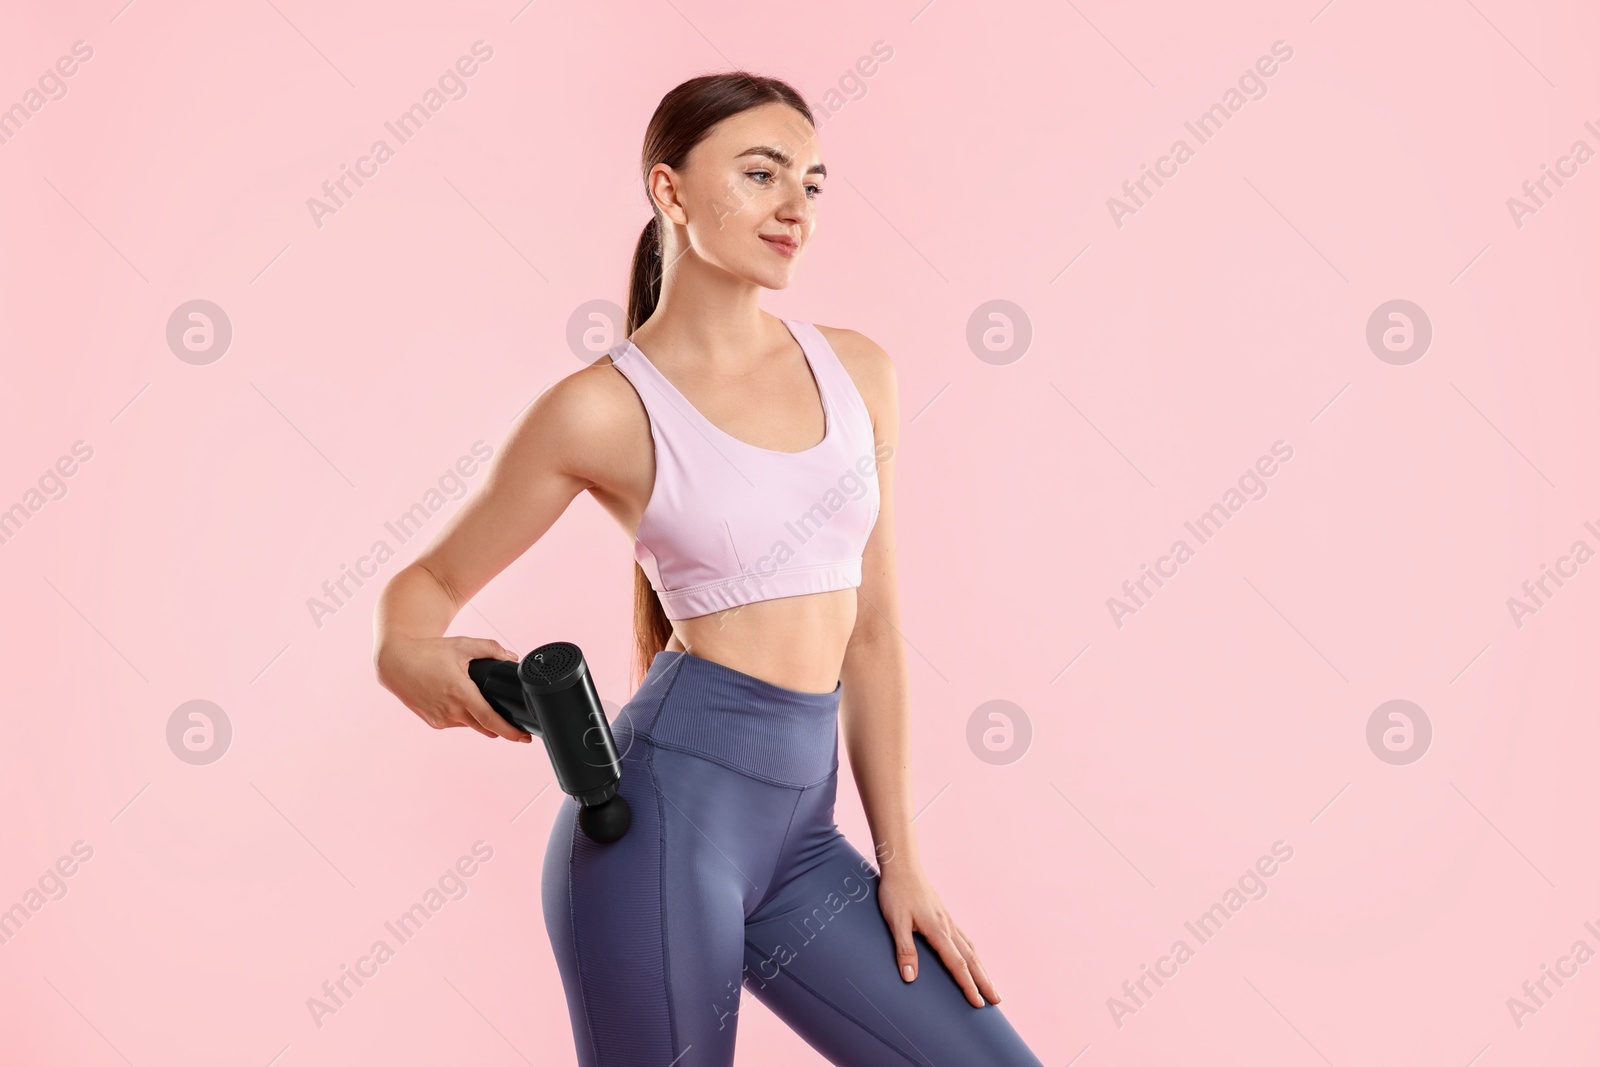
{"x": 608, "y": 821}
{"x": 552, "y": 667}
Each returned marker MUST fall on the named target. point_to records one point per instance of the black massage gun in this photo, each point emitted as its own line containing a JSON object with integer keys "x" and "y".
{"x": 551, "y": 695}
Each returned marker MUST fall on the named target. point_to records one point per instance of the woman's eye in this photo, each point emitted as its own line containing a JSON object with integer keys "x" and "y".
{"x": 765, "y": 177}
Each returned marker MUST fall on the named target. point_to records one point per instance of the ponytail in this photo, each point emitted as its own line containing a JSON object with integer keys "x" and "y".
{"x": 651, "y": 627}
{"x": 644, "y": 276}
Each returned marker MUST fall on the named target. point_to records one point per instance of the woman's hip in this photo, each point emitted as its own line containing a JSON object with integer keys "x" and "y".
{"x": 685, "y": 703}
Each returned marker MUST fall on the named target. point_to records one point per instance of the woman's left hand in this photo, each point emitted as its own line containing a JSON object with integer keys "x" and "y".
{"x": 909, "y": 903}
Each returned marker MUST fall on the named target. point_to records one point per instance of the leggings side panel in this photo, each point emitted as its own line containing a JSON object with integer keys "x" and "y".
{"x": 604, "y": 913}
{"x": 556, "y": 899}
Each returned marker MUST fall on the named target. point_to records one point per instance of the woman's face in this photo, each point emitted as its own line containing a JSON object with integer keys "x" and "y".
{"x": 746, "y": 199}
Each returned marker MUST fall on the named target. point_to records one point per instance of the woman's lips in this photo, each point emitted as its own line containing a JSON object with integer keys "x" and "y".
{"x": 784, "y": 246}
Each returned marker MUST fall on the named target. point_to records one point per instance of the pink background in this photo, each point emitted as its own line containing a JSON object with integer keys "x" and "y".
{"x": 1166, "y": 756}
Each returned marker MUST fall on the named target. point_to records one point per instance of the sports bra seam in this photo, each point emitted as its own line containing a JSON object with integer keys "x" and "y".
{"x": 715, "y": 583}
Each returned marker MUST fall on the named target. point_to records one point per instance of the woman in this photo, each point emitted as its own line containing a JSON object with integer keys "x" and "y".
{"x": 744, "y": 455}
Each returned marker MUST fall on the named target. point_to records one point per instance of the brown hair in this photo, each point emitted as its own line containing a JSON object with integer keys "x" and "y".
{"x": 682, "y": 119}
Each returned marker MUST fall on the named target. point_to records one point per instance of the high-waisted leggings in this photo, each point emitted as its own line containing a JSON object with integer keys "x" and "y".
{"x": 733, "y": 875}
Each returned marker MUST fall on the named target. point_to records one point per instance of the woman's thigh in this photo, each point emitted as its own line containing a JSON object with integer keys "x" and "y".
{"x": 819, "y": 954}
{"x": 648, "y": 930}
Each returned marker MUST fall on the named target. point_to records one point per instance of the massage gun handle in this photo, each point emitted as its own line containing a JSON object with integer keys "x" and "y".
{"x": 497, "y": 680}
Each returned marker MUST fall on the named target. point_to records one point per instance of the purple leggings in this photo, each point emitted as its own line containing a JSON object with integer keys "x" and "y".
{"x": 733, "y": 875}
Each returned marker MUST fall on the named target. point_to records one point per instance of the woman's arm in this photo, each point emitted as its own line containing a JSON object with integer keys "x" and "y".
{"x": 544, "y": 463}
{"x": 875, "y": 712}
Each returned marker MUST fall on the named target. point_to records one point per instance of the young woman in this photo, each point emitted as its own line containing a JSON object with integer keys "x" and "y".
{"x": 748, "y": 456}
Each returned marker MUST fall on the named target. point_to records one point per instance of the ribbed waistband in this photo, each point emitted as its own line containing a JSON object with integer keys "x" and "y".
{"x": 785, "y": 736}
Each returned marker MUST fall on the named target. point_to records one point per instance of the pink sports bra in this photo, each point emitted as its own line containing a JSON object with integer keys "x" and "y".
{"x": 729, "y": 523}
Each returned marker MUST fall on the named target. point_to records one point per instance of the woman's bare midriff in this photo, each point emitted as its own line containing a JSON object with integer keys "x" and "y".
{"x": 797, "y": 642}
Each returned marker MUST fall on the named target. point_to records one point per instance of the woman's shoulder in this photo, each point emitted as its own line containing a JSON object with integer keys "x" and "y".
{"x": 595, "y": 396}
{"x": 591, "y": 417}
{"x": 853, "y": 342}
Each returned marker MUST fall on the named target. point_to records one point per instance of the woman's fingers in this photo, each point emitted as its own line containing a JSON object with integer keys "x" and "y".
{"x": 953, "y": 946}
{"x": 483, "y": 648}
{"x": 475, "y": 711}
{"x": 431, "y": 678}
{"x": 985, "y": 984}
{"x": 945, "y": 945}
{"x": 905, "y": 951}
{"x": 478, "y": 713}
{"x": 467, "y": 707}
{"x": 446, "y": 716}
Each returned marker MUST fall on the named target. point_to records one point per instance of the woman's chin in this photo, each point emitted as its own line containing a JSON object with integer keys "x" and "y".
{"x": 774, "y": 278}
{"x": 765, "y": 275}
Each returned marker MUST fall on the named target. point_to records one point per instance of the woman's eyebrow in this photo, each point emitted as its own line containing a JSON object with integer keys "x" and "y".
{"x": 781, "y": 157}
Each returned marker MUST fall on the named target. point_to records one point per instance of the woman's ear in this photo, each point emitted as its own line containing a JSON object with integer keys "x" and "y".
{"x": 667, "y": 191}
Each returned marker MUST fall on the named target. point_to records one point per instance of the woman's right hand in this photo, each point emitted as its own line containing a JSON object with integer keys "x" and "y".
{"x": 429, "y": 675}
